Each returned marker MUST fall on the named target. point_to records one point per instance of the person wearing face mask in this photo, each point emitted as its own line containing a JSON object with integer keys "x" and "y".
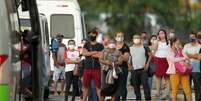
{"x": 59, "y": 64}
{"x": 138, "y": 62}
{"x": 162, "y": 66}
{"x": 175, "y": 77}
{"x": 192, "y": 50}
{"x": 151, "y": 70}
{"x": 92, "y": 52}
{"x": 110, "y": 55}
{"x": 71, "y": 57}
{"x": 145, "y": 38}
{"x": 106, "y": 39}
{"x": 122, "y": 84}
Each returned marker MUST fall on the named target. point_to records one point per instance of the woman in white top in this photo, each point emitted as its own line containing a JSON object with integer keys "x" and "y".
{"x": 161, "y": 62}
{"x": 175, "y": 78}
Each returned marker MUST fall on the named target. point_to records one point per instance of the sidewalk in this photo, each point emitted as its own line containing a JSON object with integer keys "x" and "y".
{"x": 130, "y": 97}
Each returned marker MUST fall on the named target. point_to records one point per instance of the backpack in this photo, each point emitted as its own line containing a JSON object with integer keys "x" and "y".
{"x": 54, "y": 45}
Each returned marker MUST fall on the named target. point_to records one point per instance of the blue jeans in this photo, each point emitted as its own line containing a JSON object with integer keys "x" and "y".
{"x": 92, "y": 92}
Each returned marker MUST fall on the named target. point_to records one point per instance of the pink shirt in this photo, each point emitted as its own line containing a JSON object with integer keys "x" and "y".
{"x": 171, "y": 61}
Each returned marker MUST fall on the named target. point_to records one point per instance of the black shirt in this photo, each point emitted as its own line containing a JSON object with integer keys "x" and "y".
{"x": 123, "y": 50}
{"x": 92, "y": 62}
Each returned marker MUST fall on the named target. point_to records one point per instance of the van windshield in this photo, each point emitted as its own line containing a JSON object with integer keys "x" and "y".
{"x": 62, "y": 23}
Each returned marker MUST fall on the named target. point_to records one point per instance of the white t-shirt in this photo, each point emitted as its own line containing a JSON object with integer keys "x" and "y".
{"x": 162, "y": 49}
{"x": 138, "y": 57}
{"x": 72, "y": 55}
{"x": 190, "y": 49}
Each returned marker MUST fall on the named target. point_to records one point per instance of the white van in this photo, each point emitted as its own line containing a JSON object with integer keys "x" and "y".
{"x": 64, "y": 16}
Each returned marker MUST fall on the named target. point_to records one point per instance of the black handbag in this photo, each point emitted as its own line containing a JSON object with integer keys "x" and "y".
{"x": 117, "y": 69}
{"x": 151, "y": 69}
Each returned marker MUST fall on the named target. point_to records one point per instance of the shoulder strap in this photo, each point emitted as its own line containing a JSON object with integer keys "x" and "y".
{"x": 200, "y": 61}
{"x": 146, "y": 52}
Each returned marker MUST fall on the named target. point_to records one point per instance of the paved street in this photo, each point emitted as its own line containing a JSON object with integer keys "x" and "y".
{"x": 130, "y": 97}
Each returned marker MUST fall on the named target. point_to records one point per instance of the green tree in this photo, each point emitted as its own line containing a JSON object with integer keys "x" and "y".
{"x": 128, "y": 15}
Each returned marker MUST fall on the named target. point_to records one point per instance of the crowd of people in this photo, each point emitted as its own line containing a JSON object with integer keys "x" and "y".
{"x": 98, "y": 70}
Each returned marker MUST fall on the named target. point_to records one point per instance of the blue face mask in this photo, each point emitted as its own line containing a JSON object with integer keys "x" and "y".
{"x": 192, "y": 39}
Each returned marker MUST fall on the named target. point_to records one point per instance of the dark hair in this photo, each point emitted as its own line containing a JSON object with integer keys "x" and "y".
{"x": 149, "y": 43}
{"x": 88, "y": 32}
{"x": 93, "y": 32}
{"x": 118, "y": 33}
{"x": 166, "y": 39}
{"x": 95, "y": 29}
{"x": 112, "y": 40}
{"x": 192, "y": 33}
{"x": 84, "y": 39}
{"x": 144, "y": 32}
{"x": 173, "y": 40}
{"x": 71, "y": 41}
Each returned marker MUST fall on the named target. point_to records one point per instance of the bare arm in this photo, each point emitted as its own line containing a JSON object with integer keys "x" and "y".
{"x": 194, "y": 56}
{"x": 54, "y": 58}
{"x": 103, "y": 61}
{"x": 97, "y": 54}
{"x": 148, "y": 61}
{"x": 125, "y": 56}
{"x": 120, "y": 60}
{"x": 68, "y": 61}
{"x": 87, "y": 53}
{"x": 170, "y": 56}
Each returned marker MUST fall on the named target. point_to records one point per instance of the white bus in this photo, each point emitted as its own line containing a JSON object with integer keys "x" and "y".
{"x": 10, "y": 47}
{"x": 9, "y": 30}
{"x": 44, "y": 60}
{"x": 64, "y": 16}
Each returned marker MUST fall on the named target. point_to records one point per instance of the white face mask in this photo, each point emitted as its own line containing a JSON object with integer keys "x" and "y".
{"x": 99, "y": 38}
{"x": 112, "y": 45}
{"x": 136, "y": 41}
{"x": 119, "y": 39}
{"x": 71, "y": 47}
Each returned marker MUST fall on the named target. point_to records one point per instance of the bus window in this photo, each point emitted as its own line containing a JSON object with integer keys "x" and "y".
{"x": 25, "y": 24}
{"x": 63, "y": 23}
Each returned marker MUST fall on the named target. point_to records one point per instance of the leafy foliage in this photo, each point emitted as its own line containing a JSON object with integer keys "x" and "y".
{"x": 128, "y": 15}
